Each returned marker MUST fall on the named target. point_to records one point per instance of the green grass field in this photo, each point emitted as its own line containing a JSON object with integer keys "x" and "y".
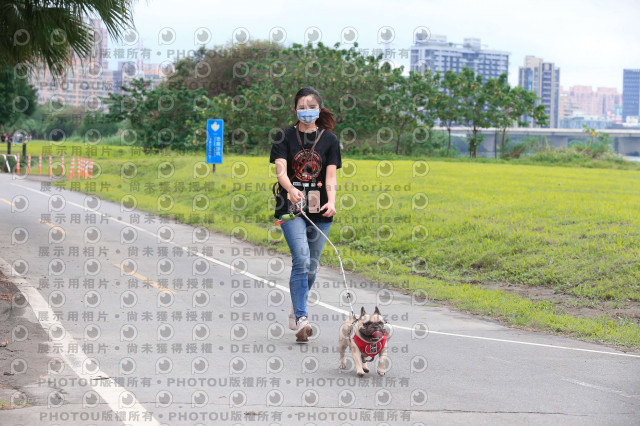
{"x": 468, "y": 233}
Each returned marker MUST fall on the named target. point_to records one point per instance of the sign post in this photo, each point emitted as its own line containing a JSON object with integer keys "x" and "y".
{"x": 215, "y": 131}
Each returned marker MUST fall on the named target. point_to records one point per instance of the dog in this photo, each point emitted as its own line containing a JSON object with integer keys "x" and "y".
{"x": 367, "y": 337}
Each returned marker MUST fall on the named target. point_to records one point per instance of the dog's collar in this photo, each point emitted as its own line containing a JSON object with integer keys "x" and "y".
{"x": 370, "y": 349}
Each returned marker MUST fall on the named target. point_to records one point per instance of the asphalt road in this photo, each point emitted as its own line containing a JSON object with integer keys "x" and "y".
{"x": 125, "y": 319}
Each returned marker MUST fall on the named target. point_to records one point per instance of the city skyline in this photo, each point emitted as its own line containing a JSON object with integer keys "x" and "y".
{"x": 88, "y": 79}
{"x": 586, "y": 57}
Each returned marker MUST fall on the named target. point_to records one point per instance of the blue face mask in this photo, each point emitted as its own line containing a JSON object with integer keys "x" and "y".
{"x": 308, "y": 116}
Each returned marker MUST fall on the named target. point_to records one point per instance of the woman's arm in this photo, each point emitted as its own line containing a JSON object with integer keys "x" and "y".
{"x": 281, "y": 172}
{"x": 332, "y": 184}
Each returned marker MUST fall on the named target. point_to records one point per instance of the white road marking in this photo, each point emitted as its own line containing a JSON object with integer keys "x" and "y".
{"x": 111, "y": 394}
{"x": 601, "y": 388}
{"x": 333, "y": 308}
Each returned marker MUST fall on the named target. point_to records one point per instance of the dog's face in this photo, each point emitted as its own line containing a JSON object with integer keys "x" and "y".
{"x": 370, "y": 326}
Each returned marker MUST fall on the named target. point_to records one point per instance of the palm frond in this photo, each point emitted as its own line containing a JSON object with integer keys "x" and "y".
{"x": 49, "y": 32}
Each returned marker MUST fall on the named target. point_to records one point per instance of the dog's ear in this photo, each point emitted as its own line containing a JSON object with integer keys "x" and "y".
{"x": 362, "y": 312}
{"x": 377, "y": 311}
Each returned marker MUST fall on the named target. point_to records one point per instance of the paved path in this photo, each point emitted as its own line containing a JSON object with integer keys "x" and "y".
{"x": 122, "y": 322}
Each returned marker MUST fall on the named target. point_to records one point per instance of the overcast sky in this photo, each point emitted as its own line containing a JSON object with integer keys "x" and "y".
{"x": 591, "y": 41}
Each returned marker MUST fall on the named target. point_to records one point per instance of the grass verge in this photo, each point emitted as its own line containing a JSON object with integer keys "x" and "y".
{"x": 445, "y": 227}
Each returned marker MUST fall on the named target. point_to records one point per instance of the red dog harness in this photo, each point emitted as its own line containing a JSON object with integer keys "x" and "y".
{"x": 370, "y": 349}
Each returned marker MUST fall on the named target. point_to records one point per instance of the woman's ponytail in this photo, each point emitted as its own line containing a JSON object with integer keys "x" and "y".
{"x": 326, "y": 119}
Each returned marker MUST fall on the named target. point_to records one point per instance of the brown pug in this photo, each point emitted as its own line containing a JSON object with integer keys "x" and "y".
{"x": 366, "y": 336}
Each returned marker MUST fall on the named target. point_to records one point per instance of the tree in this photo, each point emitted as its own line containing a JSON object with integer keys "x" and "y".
{"x": 61, "y": 123}
{"x": 405, "y": 102}
{"x": 17, "y": 98}
{"x": 447, "y": 103}
{"x": 159, "y": 117}
{"x": 97, "y": 121}
{"x": 599, "y": 143}
{"x": 222, "y": 69}
{"x": 32, "y": 125}
{"x": 348, "y": 82}
{"x": 509, "y": 105}
{"x": 43, "y": 31}
{"x": 474, "y": 110}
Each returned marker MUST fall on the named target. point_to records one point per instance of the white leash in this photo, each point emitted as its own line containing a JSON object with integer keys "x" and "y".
{"x": 301, "y": 205}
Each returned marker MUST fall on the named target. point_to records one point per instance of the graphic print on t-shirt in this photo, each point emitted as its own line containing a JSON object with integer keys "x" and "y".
{"x": 307, "y": 165}
{"x": 287, "y": 147}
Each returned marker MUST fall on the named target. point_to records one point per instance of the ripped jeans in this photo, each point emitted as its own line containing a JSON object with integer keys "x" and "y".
{"x": 306, "y": 244}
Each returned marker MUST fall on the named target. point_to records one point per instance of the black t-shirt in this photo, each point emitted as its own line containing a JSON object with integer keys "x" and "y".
{"x": 327, "y": 151}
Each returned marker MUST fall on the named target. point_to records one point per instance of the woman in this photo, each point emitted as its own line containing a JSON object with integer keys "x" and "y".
{"x": 306, "y": 156}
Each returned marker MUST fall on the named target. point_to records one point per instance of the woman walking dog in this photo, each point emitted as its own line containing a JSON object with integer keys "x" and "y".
{"x": 307, "y": 156}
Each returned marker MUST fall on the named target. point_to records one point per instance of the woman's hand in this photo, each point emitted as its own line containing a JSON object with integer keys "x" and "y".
{"x": 331, "y": 209}
{"x": 295, "y": 195}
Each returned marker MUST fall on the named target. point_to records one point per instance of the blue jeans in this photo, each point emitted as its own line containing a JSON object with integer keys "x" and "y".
{"x": 306, "y": 244}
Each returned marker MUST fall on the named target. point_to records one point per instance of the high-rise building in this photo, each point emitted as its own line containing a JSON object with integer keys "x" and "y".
{"x": 542, "y": 78}
{"x": 607, "y": 101}
{"x": 127, "y": 71}
{"x": 98, "y": 55}
{"x": 436, "y": 54}
{"x": 85, "y": 81}
{"x": 89, "y": 79}
{"x": 566, "y": 105}
{"x": 630, "y": 94}
{"x": 582, "y": 100}
{"x": 81, "y": 86}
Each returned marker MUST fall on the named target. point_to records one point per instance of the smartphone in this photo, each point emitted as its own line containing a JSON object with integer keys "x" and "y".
{"x": 313, "y": 200}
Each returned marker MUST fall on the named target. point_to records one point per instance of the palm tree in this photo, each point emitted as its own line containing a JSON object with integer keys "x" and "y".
{"x": 49, "y": 32}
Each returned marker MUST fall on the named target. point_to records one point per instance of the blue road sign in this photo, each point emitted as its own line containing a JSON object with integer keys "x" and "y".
{"x": 215, "y": 130}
